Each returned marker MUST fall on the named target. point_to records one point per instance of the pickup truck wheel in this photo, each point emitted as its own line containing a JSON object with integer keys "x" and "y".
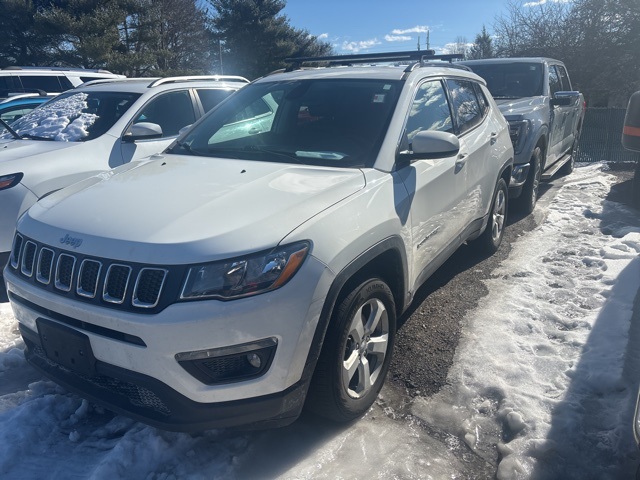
{"x": 526, "y": 202}
{"x": 568, "y": 167}
{"x": 489, "y": 241}
{"x": 356, "y": 353}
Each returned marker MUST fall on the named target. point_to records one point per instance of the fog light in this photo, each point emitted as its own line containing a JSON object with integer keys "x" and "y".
{"x": 229, "y": 364}
{"x": 254, "y": 360}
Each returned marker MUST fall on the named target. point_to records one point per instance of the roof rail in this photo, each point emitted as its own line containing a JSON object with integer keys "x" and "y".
{"x": 119, "y": 80}
{"x": 58, "y": 69}
{"x": 407, "y": 56}
{"x": 193, "y": 78}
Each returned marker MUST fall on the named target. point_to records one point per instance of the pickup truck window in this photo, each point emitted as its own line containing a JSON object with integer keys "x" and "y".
{"x": 564, "y": 78}
{"x": 512, "y": 80}
{"x": 554, "y": 80}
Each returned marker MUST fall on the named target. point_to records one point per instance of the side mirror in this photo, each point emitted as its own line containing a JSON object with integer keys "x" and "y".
{"x": 433, "y": 144}
{"x": 428, "y": 145}
{"x": 142, "y": 131}
{"x": 631, "y": 129}
{"x": 565, "y": 99}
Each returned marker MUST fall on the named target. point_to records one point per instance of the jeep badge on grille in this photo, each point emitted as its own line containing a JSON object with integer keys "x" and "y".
{"x": 68, "y": 240}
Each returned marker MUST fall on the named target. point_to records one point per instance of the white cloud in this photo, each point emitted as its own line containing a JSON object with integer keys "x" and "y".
{"x": 455, "y": 47}
{"x": 323, "y": 36}
{"x": 416, "y": 29}
{"x": 397, "y": 38}
{"x": 542, "y": 2}
{"x": 355, "y": 47}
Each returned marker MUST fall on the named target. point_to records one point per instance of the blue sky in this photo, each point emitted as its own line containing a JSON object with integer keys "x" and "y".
{"x": 382, "y": 26}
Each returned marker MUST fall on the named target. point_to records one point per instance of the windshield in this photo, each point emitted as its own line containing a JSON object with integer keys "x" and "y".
{"x": 315, "y": 122}
{"x": 73, "y": 116}
{"x": 512, "y": 80}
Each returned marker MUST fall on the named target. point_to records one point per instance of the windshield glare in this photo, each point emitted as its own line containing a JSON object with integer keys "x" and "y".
{"x": 316, "y": 122}
{"x": 73, "y": 117}
{"x": 512, "y": 80}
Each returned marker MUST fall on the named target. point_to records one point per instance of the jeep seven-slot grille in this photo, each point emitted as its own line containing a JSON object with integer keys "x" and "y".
{"x": 97, "y": 279}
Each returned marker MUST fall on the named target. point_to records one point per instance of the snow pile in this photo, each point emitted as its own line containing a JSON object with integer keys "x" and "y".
{"x": 545, "y": 377}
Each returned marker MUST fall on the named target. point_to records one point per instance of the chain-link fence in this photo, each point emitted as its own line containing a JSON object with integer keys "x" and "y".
{"x": 601, "y": 137}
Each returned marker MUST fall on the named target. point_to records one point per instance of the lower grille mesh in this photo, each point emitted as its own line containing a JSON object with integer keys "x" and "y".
{"x": 135, "y": 394}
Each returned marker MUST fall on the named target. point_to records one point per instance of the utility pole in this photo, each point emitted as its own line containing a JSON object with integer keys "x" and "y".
{"x": 221, "y": 67}
{"x": 428, "y": 46}
{"x": 418, "y": 42}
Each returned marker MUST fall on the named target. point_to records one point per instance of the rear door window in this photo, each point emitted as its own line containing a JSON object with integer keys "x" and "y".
{"x": 172, "y": 111}
{"x": 48, "y": 83}
{"x": 210, "y": 97}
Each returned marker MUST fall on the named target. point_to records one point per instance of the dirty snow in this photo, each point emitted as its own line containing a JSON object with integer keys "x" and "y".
{"x": 543, "y": 385}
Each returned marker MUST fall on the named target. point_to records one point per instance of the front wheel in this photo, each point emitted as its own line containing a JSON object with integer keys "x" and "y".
{"x": 356, "y": 353}
{"x": 489, "y": 241}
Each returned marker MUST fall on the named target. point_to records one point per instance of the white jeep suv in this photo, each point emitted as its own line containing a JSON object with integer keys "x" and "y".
{"x": 93, "y": 128}
{"x": 260, "y": 263}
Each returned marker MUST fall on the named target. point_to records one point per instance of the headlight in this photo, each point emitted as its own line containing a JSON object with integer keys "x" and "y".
{"x": 8, "y": 181}
{"x": 518, "y": 132}
{"x": 241, "y": 277}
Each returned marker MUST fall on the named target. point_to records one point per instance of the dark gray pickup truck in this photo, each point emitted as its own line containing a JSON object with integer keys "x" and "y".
{"x": 545, "y": 118}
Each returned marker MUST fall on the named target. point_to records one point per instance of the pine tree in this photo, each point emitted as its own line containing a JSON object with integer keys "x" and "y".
{"x": 482, "y": 47}
{"x": 254, "y": 37}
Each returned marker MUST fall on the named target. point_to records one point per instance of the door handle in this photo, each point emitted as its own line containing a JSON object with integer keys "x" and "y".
{"x": 493, "y": 138}
{"x": 461, "y": 160}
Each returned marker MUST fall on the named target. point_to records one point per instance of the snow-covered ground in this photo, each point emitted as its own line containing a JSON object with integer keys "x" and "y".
{"x": 543, "y": 384}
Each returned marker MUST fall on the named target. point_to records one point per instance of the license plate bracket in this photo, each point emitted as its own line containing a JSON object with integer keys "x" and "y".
{"x": 67, "y": 347}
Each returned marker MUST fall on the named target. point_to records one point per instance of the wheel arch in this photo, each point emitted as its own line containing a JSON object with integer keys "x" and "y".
{"x": 542, "y": 142}
{"x": 386, "y": 260}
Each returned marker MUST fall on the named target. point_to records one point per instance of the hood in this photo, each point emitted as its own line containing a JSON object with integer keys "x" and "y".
{"x": 13, "y": 150}
{"x": 518, "y": 108}
{"x": 184, "y": 209}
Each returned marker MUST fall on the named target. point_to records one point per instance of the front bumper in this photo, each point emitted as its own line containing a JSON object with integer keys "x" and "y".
{"x": 136, "y": 371}
{"x": 146, "y": 399}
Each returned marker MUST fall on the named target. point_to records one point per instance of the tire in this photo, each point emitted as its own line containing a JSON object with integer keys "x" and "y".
{"x": 356, "y": 353}
{"x": 568, "y": 167}
{"x": 527, "y": 200}
{"x": 489, "y": 241}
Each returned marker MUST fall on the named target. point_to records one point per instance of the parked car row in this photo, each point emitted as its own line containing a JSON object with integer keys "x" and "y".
{"x": 259, "y": 263}
{"x": 17, "y": 80}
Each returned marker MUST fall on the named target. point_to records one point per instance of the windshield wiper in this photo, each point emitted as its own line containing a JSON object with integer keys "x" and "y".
{"x": 186, "y": 147}
{"x": 10, "y": 130}
{"x": 280, "y": 153}
{"x": 28, "y": 136}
